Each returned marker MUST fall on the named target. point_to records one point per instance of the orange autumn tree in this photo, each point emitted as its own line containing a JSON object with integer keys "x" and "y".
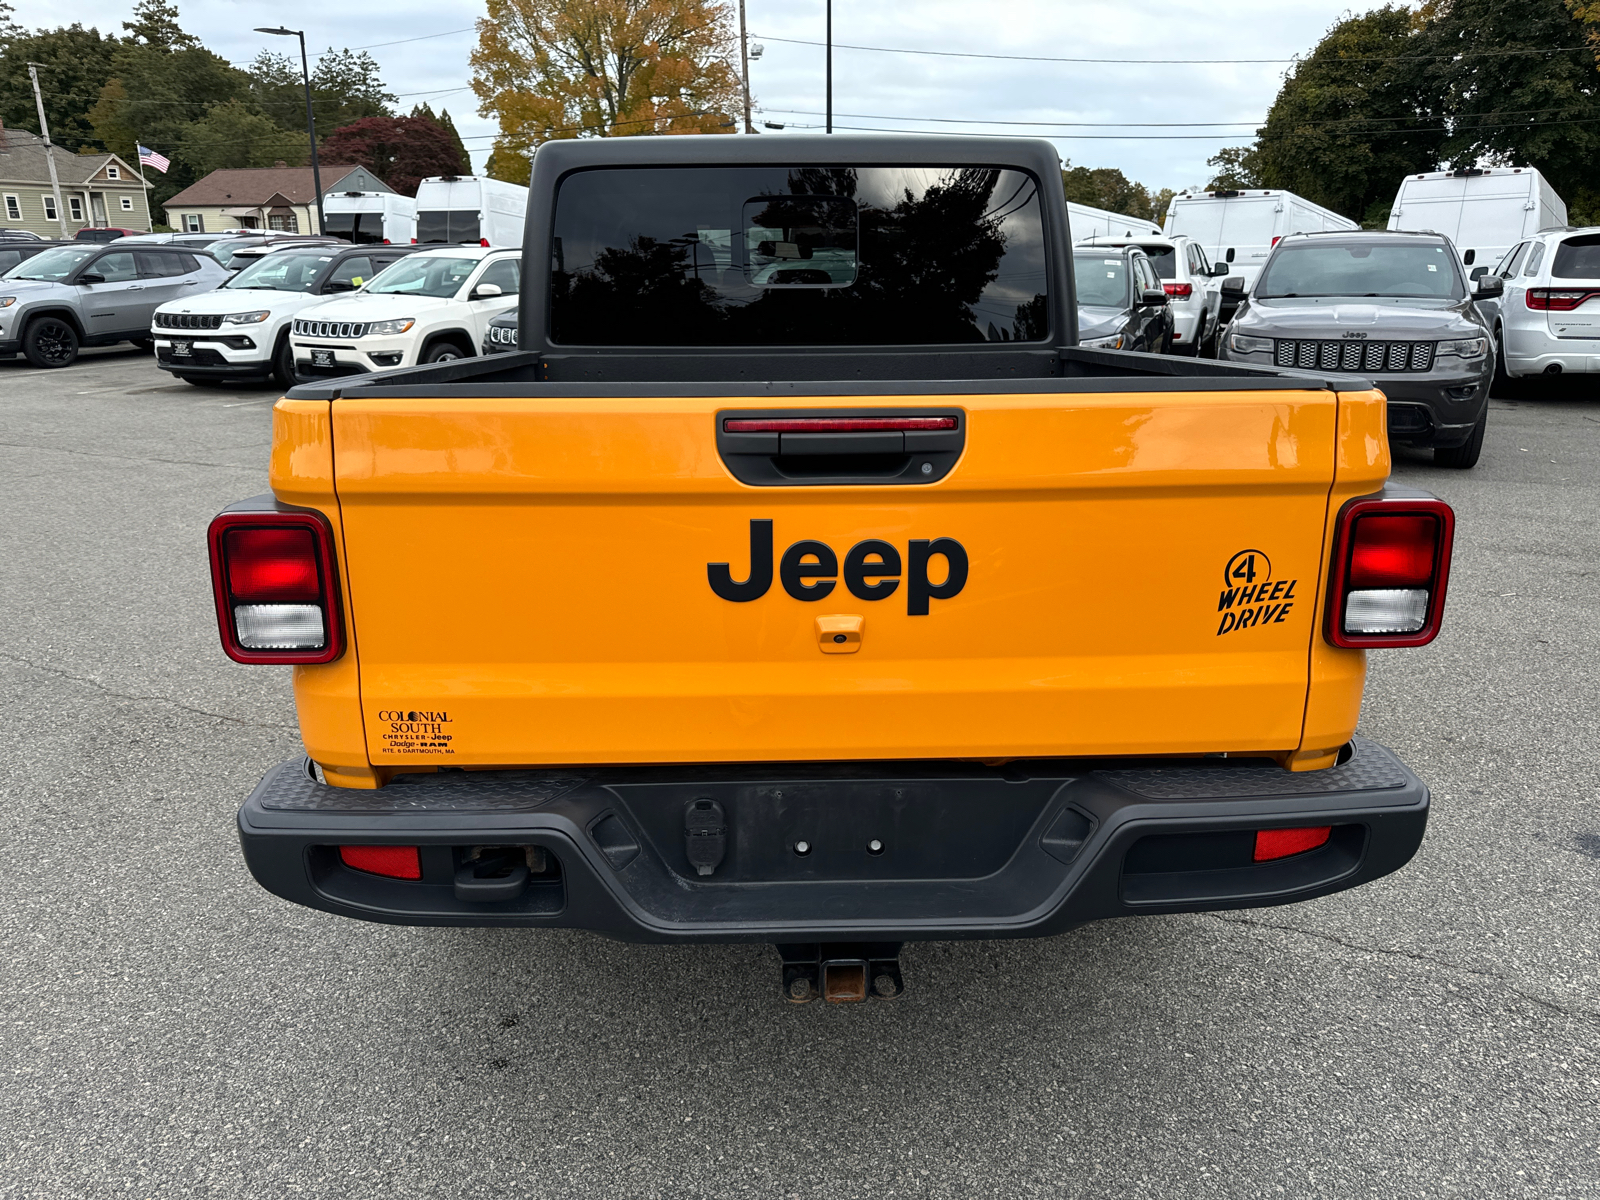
{"x": 602, "y": 68}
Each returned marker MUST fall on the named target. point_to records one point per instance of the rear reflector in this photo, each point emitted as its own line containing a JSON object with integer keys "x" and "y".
{"x": 834, "y": 424}
{"x": 1281, "y": 843}
{"x": 1391, "y": 564}
{"x": 276, "y": 593}
{"x": 396, "y": 862}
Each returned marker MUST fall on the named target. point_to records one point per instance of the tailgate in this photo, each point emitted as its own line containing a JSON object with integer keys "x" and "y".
{"x": 532, "y": 581}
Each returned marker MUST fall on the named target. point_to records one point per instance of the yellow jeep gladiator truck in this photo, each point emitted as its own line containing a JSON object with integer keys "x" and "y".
{"x": 801, "y": 580}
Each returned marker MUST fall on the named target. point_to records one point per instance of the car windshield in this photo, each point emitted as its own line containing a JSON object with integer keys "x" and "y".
{"x": 1417, "y": 269}
{"x": 223, "y": 252}
{"x": 286, "y": 271}
{"x": 425, "y": 275}
{"x": 1102, "y": 281}
{"x": 54, "y": 264}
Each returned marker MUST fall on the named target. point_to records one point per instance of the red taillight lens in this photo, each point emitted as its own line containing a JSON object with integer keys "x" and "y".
{"x": 266, "y": 565}
{"x": 1393, "y": 550}
{"x": 484, "y": 242}
{"x": 1281, "y": 843}
{"x": 1277, "y": 239}
{"x": 1558, "y": 299}
{"x": 834, "y": 424}
{"x": 1391, "y": 565}
{"x": 396, "y": 862}
{"x": 1181, "y": 290}
{"x": 276, "y": 593}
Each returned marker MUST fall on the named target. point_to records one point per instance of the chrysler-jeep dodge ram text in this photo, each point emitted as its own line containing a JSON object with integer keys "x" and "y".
{"x": 801, "y": 580}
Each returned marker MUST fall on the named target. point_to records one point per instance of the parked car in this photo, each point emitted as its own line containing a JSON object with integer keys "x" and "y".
{"x": 470, "y": 210}
{"x": 224, "y": 249}
{"x": 241, "y": 330}
{"x": 1546, "y": 318}
{"x": 19, "y": 234}
{"x": 501, "y": 335}
{"x": 104, "y": 233}
{"x": 91, "y": 295}
{"x": 1190, "y": 280}
{"x": 432, "y": 307}
{"x": 1484, "y": 211}
{"x": 15, "y": 250}
{"x": 194, "y": 241}
{"x": 1121, "y": 303}
{"x": 1394, "y": 307}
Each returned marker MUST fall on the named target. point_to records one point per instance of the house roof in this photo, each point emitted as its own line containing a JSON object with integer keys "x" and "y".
{"x": 22, "y": 160}
{"x": 238, "y": 187}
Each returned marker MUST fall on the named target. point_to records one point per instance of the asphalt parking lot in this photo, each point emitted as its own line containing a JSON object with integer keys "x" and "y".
{"x": 169, "y": 1029}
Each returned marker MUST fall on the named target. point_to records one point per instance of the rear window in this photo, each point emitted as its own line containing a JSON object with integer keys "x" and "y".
{"x": 1578, "y": 258}
{"x": 747, "y": 256}
{"x": 1102, "y": 282}
{"x": 453, "y": 227}
{"x": 1164, "y": 261}
{"x": 1418, "y": 269}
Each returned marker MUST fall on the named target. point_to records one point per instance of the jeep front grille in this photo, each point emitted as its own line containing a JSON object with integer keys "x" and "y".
{"x": 188, "y": 321}
{"x": 1310, "y": 354}
{"x": 330, "y": 329}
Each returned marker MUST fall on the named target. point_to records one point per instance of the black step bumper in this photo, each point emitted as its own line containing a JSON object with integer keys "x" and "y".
{"x": 962, "y": 850}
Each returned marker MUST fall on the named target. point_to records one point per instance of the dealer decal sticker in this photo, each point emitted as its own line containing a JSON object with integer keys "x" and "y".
{"x": 1250, "y": 595}
{"x": 415, "y": 731}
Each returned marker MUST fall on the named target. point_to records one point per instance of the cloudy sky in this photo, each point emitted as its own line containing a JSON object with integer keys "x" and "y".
{"x": 1121, "y": 114}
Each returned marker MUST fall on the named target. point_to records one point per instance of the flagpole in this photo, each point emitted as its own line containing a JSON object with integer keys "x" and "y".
{"x": 139, "y": 163}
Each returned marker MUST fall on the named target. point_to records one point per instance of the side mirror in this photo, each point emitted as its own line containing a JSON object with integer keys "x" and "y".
{"x": 339, "y": 285}
{"x": 91, "y": 277}
{"x": 1233, "y": 287}
{"x": 1218, "y": 270}
{"x": 1153, "y": 297}
{"x": 1489, "y": 286}
{"x": 485, "y": 291}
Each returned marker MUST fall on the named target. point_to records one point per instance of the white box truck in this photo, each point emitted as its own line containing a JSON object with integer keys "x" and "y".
{"x": 365, "y": 217}
{"x": 1085, "y": 221}
{"x": 1240, "y": 227}
{"x": 1483, "y": 210}
{"x": 470, "y": 210}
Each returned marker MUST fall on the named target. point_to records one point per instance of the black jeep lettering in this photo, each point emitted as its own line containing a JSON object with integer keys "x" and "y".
{"x": 758, "y": 581}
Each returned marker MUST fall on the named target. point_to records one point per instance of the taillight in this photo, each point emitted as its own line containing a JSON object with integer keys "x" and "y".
{"x": 1277, "y": 239}
{"x": 396, "y": 862}
{"x": 273, "y": 577}
{"x": 834, "y": 424}
{"x": 1391, "y": 564}
{"x": 1181, "y": 290}
{"x": 1558, "y": 299}
{"x": 484, "y": 242}
{"x": 1281, "y": 843}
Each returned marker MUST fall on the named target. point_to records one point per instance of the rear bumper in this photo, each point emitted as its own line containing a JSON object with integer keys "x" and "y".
{"x": 966, "y": 851}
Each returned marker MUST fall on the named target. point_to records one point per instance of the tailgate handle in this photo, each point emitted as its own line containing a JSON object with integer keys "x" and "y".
{"x": 801, "y": 447}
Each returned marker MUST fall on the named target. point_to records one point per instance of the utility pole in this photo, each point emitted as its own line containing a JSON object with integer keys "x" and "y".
{"x": 49, "y": 153}
{"x": 744, "y": 68}
{"x": 830, "y": 66}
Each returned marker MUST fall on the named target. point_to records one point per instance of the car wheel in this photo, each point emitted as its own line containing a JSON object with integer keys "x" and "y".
{"x": 1465, "y": 455}
{"x": 50, "y": 342}
{"x": 1502, "y": 381}
{"x": 283, "y": 364}
{"x": 444, "y": 352}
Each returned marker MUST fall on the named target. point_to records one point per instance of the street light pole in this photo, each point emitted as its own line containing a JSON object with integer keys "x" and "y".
{"x": 830, "y": 66}
{"x": 311, "y": 119}
{"x": 744, "y": 68}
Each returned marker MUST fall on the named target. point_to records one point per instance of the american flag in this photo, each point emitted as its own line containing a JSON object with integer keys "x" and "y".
{"x": 150, "y": 158}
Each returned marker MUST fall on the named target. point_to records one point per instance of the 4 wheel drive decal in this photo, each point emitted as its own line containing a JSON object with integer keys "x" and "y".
{"x": 809, "y": 570}
{"x": 1250, "y": 596}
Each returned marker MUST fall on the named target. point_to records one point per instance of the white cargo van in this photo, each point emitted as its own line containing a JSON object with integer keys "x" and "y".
{"x": 1483, "y": 210}
{"x": 470, "y": 210}
{"x": 1087, "y": 222}
{"x": 1240, "y": 228}
{"x": 366, "y": 217}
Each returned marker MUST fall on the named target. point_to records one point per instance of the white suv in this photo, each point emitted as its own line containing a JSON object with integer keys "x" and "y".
{"x": 241, "y": 330}
{"x": 1547, "y": 319}
{"x": 1187, "y": 275}
{"x": 433, "y": 306}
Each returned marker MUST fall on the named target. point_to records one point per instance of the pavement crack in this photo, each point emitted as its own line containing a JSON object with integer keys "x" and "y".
{"x": 1581, "y": 1014}
{"x": 95, "y": 683}
{"x": 175, "y": 462}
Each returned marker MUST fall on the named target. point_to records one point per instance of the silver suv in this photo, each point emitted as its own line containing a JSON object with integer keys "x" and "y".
{"x": 90, "y": 294}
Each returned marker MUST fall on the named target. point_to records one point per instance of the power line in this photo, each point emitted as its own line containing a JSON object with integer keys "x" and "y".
{"x": 1338, "y": 123}
{"x": 1183, "y": 137}
{"x": 1171, "y": 62}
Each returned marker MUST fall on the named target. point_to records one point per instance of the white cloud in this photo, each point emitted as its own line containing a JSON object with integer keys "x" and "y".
{"x": 788, "y": 80}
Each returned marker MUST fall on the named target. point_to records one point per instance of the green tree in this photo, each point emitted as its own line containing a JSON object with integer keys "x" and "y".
{"x": 1235, "y": 167}
{"x": 234, "y": 134}
{"x": 74, "y": 63}
{"x": 1109, "y": 188}
{"x": 155, "y": 24}
{"x": 442, "y": 119}
{"x": 345, "y": 87}
{"x": 601, "y": 68}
